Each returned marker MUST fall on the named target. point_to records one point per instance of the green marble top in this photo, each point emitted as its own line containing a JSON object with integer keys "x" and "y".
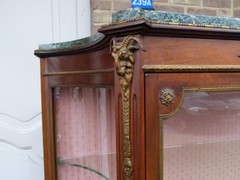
{"x": 71, "y": 44}
{"x": 175, "y": 18}
{"x": 159, "y": 17}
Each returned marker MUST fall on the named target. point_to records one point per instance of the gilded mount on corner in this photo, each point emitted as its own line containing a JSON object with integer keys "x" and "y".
{"x": 123, "y": 54}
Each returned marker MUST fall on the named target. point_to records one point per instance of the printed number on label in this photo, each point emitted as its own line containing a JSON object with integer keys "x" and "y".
{"x": 142, "y": 2}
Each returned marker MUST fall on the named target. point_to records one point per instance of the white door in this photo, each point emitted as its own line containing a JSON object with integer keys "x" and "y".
{"x": 23, "y": 25}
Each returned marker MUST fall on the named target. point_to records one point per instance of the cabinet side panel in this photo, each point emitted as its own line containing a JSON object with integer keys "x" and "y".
{"x": 98, "y": 60}
{"x": 88, "y": 72}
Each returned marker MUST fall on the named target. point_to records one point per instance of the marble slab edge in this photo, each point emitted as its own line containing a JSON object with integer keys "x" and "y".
{"x": 175, "y": 18}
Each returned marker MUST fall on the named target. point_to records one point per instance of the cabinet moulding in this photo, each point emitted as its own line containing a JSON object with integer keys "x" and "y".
{"x": 191, "y": 68}
{"x": 86, "y": 72}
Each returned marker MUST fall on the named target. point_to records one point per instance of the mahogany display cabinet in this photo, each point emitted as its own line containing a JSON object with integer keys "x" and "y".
{"x": 152, "y": 96}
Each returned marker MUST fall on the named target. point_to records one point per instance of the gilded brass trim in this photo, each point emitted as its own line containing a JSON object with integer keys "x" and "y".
{"x": 198, "y": 89}
{"x": 85, "y": 72}
{"x": 190, "y": 68}
{"x": 123, "y": 54}
{"x": 212, "y": 89}
{"x": 193, "y": 25}
{"x": 167, "y": 96}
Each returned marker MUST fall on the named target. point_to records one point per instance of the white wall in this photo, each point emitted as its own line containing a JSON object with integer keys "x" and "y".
{"x": 71, "y": 19}
{"x": 23, "y": 25}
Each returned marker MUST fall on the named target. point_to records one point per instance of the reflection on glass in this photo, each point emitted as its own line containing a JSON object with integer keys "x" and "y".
{"x": 85, "y": 133}
{"x": 202, "y": 141}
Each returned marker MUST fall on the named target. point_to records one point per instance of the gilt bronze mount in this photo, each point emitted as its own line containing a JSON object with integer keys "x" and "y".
{"x": 123, "y": 54}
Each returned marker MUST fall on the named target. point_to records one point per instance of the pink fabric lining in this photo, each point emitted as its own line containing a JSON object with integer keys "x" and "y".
{"x": 202, "y": 141}
{"x": 85, "y": 132}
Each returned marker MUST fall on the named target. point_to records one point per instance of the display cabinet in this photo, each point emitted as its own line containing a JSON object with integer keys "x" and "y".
{"x": 152, "y": 96}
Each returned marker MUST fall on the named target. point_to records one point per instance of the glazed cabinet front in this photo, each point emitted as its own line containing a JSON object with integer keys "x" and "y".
{"x": 193, "y": 123}
{"x": 79, "y": 124}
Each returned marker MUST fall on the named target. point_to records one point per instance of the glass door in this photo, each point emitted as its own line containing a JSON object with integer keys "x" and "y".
{"x": 193, "y": 126}
{"x": 85, "y": 137}
{"x": 202, "y": 140}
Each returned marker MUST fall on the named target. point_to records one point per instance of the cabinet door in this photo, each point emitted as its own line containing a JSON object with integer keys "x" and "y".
{"x": 192, "y": 126}
{"x": 85, "y": 137}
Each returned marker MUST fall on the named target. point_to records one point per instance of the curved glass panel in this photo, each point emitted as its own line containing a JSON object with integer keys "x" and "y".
{"x": 85, "y": 133}
{"x": 202, "y": 141}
